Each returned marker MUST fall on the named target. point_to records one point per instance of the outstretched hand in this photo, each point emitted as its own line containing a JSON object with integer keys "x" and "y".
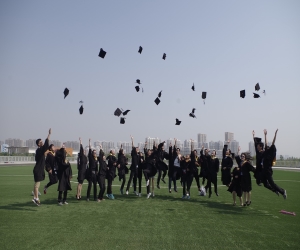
{"x": 265, "y": 131}
{"x": 50, "y": 131}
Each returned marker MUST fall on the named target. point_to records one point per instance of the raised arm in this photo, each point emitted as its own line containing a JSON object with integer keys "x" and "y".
{"x": 275, "y": 137}
{"x": 192, "y": 145}
{"x": 46, "y": 144}
{"x": 266, "y": 141}
{"x": 132, "y": 141}
{"x": 81, "y": 148}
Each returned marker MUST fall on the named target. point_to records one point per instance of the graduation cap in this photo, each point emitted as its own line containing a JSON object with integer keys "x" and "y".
{"x": 243, "y": 93}
{"x": 164, "y": 56}
{"x": 66, "y": 92}
{"x": 118, "y": 112}
{"x": 140, "y": 49}
{"x": 137, "y": 88}
{"x": 126, "y": 112}
{"x": 81, "y": 110}
{"x": 264, "y": 92}
{"x": 203, "y": 96}
{"x": 256, "y": 95}
{"x": 193, "y": 87}
{"x": 81, "y": 102}
{"x": 142, "y": 90}
{"x": 177, "y": 122}
{"x": 257, "y": 88}
{"x": 193, "y": 113}
{"x": 257, "y": 139}
{"x": 157, "y": 101}
{"x": 159, "y": 94}
{"x": 102, "y": 53}
{"x": 122, "y": 120}
{"x": 138, "y": 81}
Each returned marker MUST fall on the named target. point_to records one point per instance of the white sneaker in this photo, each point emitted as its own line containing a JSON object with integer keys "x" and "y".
{"x": 140, "y": 195}
{"x": 284, "y": 195}
{"x": 148, "y": 195}
{"x": 135, "y": 192}
{"x": 126, "y": 192}
{"x": 147, "y": 183}
{"x": 153, "y": 194}
{"x": 60, "y": 204}
{"x": 32, "y": 193}
{"x": 65, "y": 203}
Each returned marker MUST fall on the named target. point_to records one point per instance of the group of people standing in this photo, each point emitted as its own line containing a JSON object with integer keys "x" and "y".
{"x": 102, "y": 170}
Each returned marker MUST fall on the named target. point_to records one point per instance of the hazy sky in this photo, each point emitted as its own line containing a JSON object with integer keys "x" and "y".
{"x": 221, "y": 46}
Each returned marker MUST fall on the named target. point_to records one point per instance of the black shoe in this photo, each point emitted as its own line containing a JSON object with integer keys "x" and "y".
{"x": 276, "y": 192}
{"x": 245, "y": 204}
{"x": 248, "y": 203}
{"x": 158, "y": 186}
{"x": 163, "y": 180}
{"x": 175, "y": 190}
{"x": 217, "y": 194}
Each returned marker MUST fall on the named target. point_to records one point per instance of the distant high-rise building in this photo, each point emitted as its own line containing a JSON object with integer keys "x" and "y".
{"x": 201, "y": 138}
{"x": 14, "y": 142}
{"x": 127, "y": 147}
{"x": 150, "y": 142}
{"x": 30, "y": 143}
{"x": 229, "y": 136}
{"x": 218, "y": 145}
{"x": 56, "y": 143}
{"x": 1, "y": 142}
{"x": 72, "y": 144}
{"x": 4, "y": 148}
{"x": 251, "y": 148}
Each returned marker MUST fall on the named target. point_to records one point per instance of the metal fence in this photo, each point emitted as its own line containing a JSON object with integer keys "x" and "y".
{"x": 29, "y": 159}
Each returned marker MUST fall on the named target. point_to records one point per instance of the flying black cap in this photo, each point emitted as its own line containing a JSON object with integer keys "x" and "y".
{"x": 140, "y": 49}
{"x": 137, "y": 88}
{"x": 193, "y": 87}
{"x": 102, "y": 53}
{"x": 243, "y": 93}
{"x": 256, "y": 95}
{"x": 66, "y": 92}
{"x": 81, "y": 110}
{"x": 117, "y": 112}
{"x": 177, "y": 122}
{"x": 164, "y": 56}
{"x": 159, "y": 94}
{"x": 257, "y": 88}
{"x": 126, "y": 112}
{"x": 203, "y": 95}
{"x": 138, "y": 81}
{"x": 122, "y": 120}
{"x": 192, "y": 115}
{"x": 157, "y": 101}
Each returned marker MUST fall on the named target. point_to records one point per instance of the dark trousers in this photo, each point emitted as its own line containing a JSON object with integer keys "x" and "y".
{"x": 197, "y": 178}
{"x": 269, "y": 183}
{"x": 109, "y": 184}
{"x": 159, "y": 175}
{"x": 60, "y": 195}
{"x": 52, "y": 180}
{"x": 190, "y": 178}
{"x": 173, "y": 178}
{"x": 203, "y": 181}
{"x": 92, "y": 181}
{"x": 123, "y": 178}
{"x": 184, "y": 185}
{"x": 139, "y": 182}
{"x": 208, "y": 185}
{"x": 101, "y": 182}
{"x": 133, "y": 175}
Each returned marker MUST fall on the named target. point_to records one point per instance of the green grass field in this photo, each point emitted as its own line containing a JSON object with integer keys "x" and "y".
{"x": 163, "y": 222}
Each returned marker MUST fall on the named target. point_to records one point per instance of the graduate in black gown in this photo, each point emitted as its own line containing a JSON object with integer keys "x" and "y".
{"x": 140, "y": 172}
{"x": 82, "y": 166}
{"x": 149, "y": 170}
{"x": 191, "y": 169}
{"x": 161, "y": 165}
{"x": 122, "y": 168}
{"x": 174, "y": 166}
{"x": 112, "y": 162}
{"x": 92, "y": 172}
{"x": 64, "y": 176}
{"x": 269, "y": 158}
{"x": 235, "y": 185}
{"x": 133, "y": 168}
{"x": 259, "y": 149}
{"x": 51, "y": 167}
{"x": 184, "y": 166}
{"x": 39, "y": 168}
{"x": 103, "y": 168}
{"x": 227, "y": 164}
{"x": 243, "y": 162}
{"x": 212, "y": 163}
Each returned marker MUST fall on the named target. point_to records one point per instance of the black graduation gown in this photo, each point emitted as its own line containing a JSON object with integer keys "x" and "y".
{"x": 64, "y": 172}
{"x": 103, "y": 169}
{"x": 82, "y": 164}
{"x": 269, "y": 155}
{"x": 111, "y": 173}
{"x": 183, "y": 167}
{"x": 123, "y": 170}
{"x": 51, "y": 165}
{"x": 39, "y": 168}
{"x": 205, "y": 160}
{"x": 213, "y": 168}
{"x": 246, "y": 167}
{"x": 227, "y": 163}
{"x": 161, "y": 155}
{"x": 93, "y": 166}
{"x": 150, "y": 165}
{"x": 134, "y": 159}
{"x": 235, "y": 184}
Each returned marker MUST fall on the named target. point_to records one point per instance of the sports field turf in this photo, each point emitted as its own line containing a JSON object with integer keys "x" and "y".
{"x": 163, "y": 222}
